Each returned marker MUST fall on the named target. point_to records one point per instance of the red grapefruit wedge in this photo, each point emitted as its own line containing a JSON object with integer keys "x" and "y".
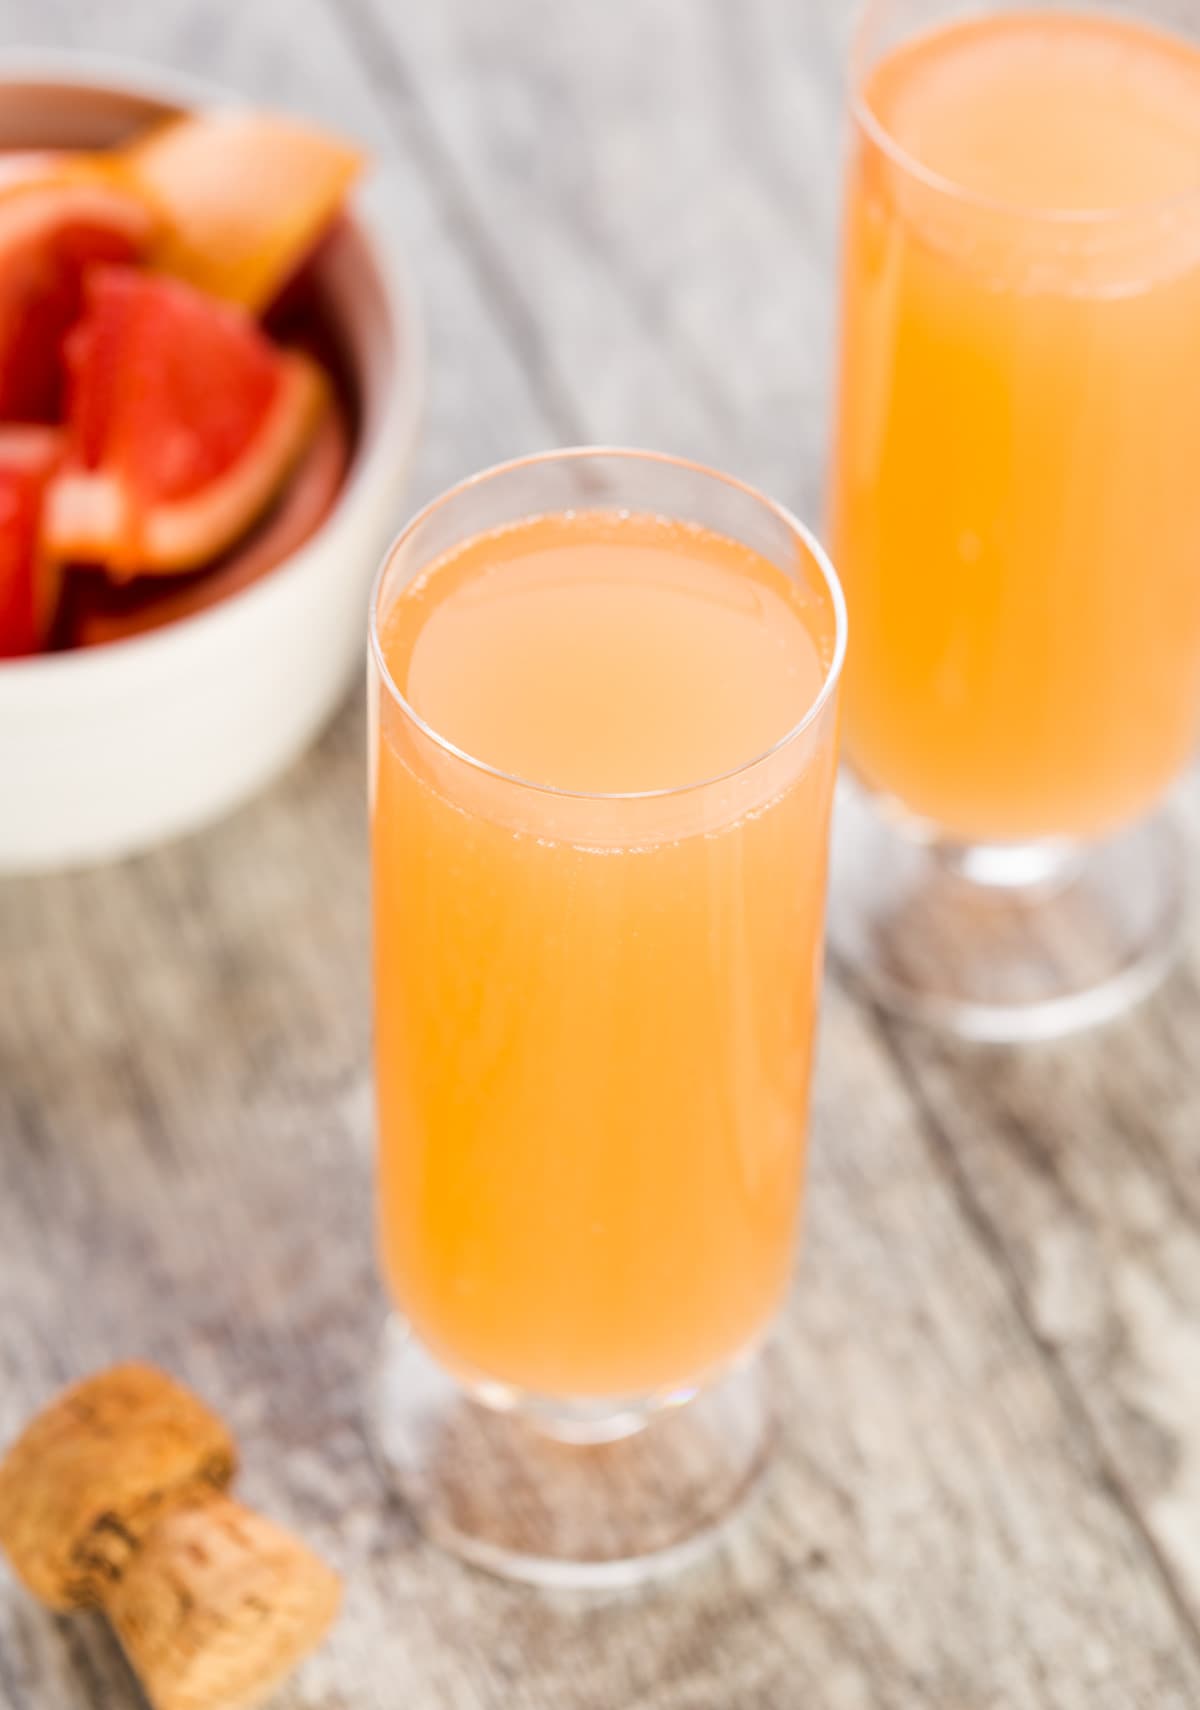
{"x": 29, "y": 583}
{"x": 245, "y": 197}
{"x": 59, "y": 215}
{"x": 184, "y": 423}
{"x": 101, "y": 612}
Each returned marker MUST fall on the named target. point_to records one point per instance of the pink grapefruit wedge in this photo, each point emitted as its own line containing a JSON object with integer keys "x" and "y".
{"x": 245, "y": 197}
{"x": 28, "y": 582}
{"x": 59, "y": 215}
{"x": 101, "y": 612}
{"x": 184, "y": 422}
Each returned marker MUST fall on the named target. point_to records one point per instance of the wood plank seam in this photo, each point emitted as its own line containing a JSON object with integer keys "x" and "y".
{"x": 1072, "y": 1401}
{"x": 383, "y": 65}
{"x": 386, "y": 72}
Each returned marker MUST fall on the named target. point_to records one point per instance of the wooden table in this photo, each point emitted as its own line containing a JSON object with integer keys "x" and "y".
{"x": 989, "y": 1496}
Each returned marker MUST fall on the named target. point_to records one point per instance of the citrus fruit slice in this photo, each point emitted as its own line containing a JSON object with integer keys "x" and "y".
{"x": 101, "y": 612}
{"x": 184, "y": 422}
{"x": 28, "y": 581}
{"x": 59, "y": 214}
{"x": 245, "y": 196}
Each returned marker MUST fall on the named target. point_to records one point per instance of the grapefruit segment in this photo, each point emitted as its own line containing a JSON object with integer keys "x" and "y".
{"x": 245, "y": 197}
{"x": 59, "y": 215}
{"x": 101, "y": 612}
{"x": 29, "y": 583}
{"x": 184, "y": 422}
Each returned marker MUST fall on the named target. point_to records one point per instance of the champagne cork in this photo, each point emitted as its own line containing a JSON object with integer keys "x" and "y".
{"x": 116, "y": 1497}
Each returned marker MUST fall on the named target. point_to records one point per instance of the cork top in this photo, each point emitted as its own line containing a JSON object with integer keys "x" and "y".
{"x": 219, "y": 1606}
{"x": 91, "y": 1475}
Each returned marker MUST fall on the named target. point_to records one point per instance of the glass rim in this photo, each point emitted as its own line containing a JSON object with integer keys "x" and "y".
{"x": 579, "y": 454}
{"x": 881, "y": 135}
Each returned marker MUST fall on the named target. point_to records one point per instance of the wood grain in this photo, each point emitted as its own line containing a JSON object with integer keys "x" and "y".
{"x": 988, "y": 1499}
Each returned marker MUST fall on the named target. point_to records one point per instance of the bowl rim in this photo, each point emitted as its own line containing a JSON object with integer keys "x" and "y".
{"x": 392, "y": 435}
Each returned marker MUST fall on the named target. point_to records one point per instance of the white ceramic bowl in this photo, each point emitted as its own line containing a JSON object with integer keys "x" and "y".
{"x": 108, "y": 750}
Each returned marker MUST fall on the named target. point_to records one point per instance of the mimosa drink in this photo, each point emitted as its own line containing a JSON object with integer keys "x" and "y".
{"x": 599, "y": 852}
{"x": 1016, "y": 502}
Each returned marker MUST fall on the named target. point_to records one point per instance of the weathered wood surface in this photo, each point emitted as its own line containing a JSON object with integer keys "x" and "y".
{"x": 989, "y": 1496}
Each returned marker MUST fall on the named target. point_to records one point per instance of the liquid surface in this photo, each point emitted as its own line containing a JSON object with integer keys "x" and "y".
{"x": 612, "y": 656}
{"x": 593, "y": 1052}
{"x": 1047, "y": 110}
{"x": 1015, "y": 504}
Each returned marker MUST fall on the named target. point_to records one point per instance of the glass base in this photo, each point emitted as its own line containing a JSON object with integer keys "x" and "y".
{"x": 1008, "y": 942}
{"x": 591, "y": 1496}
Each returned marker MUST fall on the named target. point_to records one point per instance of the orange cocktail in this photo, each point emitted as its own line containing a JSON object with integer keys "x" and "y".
{"x": 603, "y": 756}
{"x": 1016, "y": 504}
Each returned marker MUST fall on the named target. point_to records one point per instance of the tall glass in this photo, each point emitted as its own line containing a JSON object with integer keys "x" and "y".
{"x": 594, "y": 1023}
{"x": 1016, "y": 504}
